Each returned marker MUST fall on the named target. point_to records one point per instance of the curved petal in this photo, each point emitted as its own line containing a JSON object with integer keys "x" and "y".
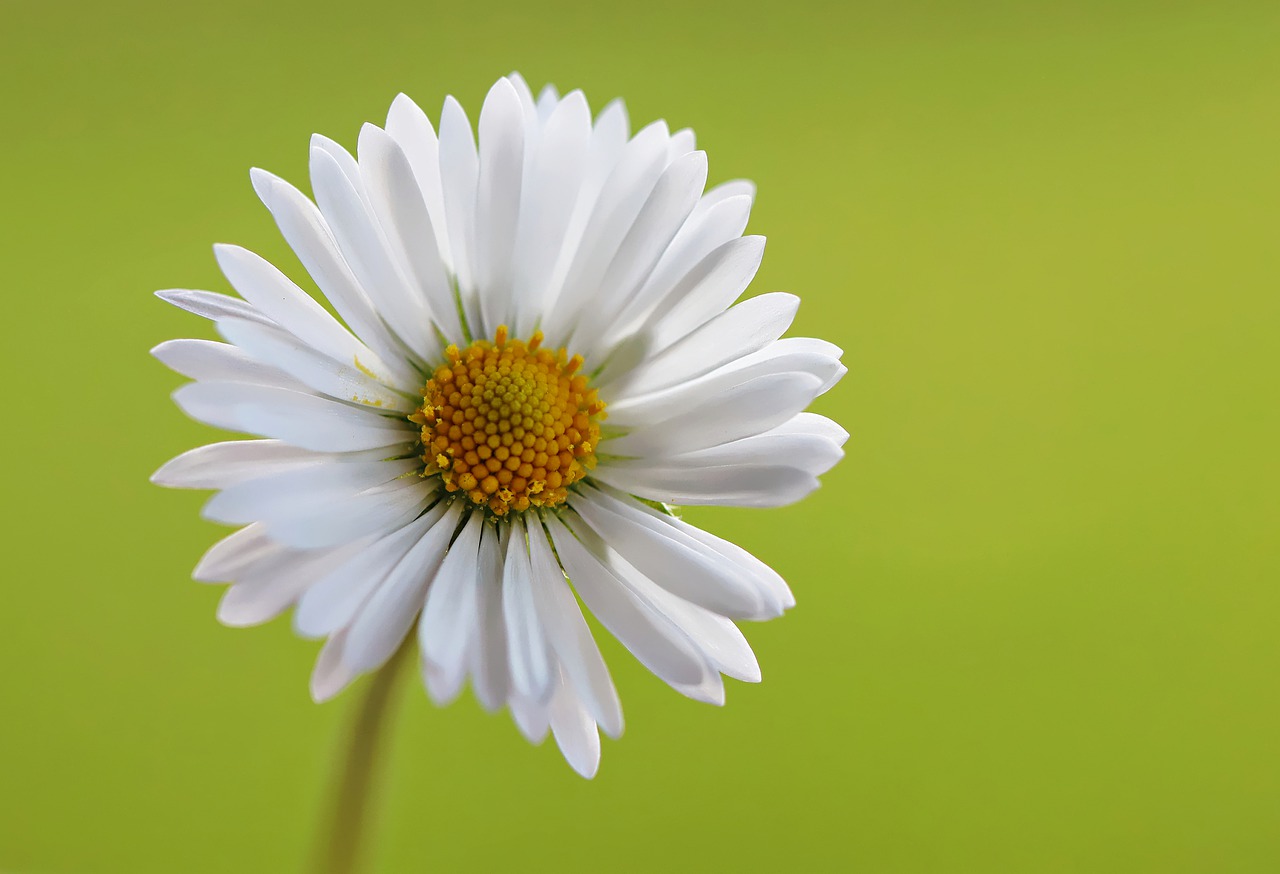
{"x": 331, "y": 675}
{"x": 449, "y": 624}
{"x": 789, "y": 355}
{"x": 740, "y": 330}
{"x": 227, "y": 558}
{"x": 546, "y": 206}
{"x": 459, "y": 167}
{"x": 312, "y": 369}
{"x": 574, "y": 729}
{"x": 570, "y": 637}
{"x": 273, "y": 294}
{"x": 756, "y": 486}
{"x": 375, "y": 510}
{"x": 749, "y": 408}
{"x": 673, "y": 560}
{"x": 210, "y": 305}
{"x": 218, "y": 465}
{"x": 548, "y": 99}
{"x": 814, "y": 454}
{"x": 210, "y": 361}
{"x": 347, "y": 211}
{"x": 301, "y": 491}
{"x": 498, "y": 193}
{"x": 271, "y": 587}
{"x": 715, "y": 636}
{"x": 400, "y": 204}
{"x": 330, "y": 605}
{"x": 772, "y": 588}
{"x": 391, "y": 610}
{"x": 619, "y": 202}
{"x": 302, "y": 420}
{"x": 643, "y": 630}
{"x": 409, "y": 126}
{"x": 706, "y": 230}
{"x": 663, "y": 212}
{"x": 531, "y": 717}
{"x": 491, "y": 678}
{"x": 304, "y": 229}
{"x": 528, "y": 652}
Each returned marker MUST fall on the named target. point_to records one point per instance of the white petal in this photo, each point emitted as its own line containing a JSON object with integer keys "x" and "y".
{"x": 574, "y": 730}
{"x": 555, "y": 178}
{"x": 706, "y": 291}
{"x": 706, "y": 230}
{"x": 270, "y": 587}
{"x": 219, "y": 465}
{"x": 673, "y": 560}
{"x": 727, "y": 190}
{"x": 346, "y": 210}
{"x": 409, "y": 126}
{"x": 442, "y": 688}
{"x": 764, "y": 578}
{"x": 459, "y": 166}
{"x": 808, "y": 442}
{"x": 528, "y": 653}
{"x": 300, "y": 419}
{"x": 789, "y": 355}
{"x": 805, "y": 354}
{"x": 650, "y": 636}
{"x": 408, "y": 223}
{"x": 301, "y": 491}
{"x": 715, "y": 636}
{"x": 273, "y": 294}
{"x": 752, "y": 407}
{"x": 316, "y": 371}
{"x": 570, "y": 637}
{"x": 331, "y": 674}
{"x": 381, "y": 508}
{"x": 682, "y": 142}
{"x": 811, "y": 453}
{"x": 608, "y": 139}
{"x": 531, "y": 717}
{"x": 812, "y": 423}
{"x": 501, "y": 167}
{"x": 620, "y": 201}
{"x": 333, "y": 601}
{"x": 548, "y": 100}
{"x": 491, "y": 678}
{"x": 207, "y": 360}
{"x": 449, "y": 619}
{"x": 734, "y": 486}
{"x": 659, "y": 219}
{"x": 346, "y": 163}
{"x": 305, "y": 230}
{"x": 528, "y": 106}
{"x": 706, "y": 685}
{"x": 384, "y": 621}
{"x": 209, "y": 305}
{"x": 227, "y": 558}
{"x": 740, "y": 330}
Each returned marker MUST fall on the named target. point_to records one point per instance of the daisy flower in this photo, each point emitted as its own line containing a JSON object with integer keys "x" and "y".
{"x": 537, "y": 354}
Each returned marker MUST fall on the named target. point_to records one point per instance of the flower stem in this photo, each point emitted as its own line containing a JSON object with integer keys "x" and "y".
{"x": 346, "y": 814}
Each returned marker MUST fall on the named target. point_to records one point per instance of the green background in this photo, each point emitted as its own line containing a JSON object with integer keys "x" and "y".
{"x": 1037, "y": 621}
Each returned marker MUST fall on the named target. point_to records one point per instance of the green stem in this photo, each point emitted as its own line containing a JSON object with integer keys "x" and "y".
{"x": 346, "y": 815}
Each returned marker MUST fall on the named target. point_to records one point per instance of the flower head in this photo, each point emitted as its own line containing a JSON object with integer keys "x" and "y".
{"x": 538, "y": 353}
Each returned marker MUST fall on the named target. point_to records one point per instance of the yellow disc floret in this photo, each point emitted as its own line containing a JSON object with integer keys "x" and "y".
{"x": 509, "y": 424}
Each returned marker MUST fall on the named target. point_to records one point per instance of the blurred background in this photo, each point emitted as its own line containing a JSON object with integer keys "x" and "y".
{"x": 1037, "y": 620}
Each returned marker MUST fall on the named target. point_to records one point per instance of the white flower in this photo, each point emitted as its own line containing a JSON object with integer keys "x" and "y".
{"x": 541, "y": 351}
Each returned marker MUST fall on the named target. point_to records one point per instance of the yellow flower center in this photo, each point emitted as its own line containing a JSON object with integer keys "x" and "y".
{"x": 509, "y": 424}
